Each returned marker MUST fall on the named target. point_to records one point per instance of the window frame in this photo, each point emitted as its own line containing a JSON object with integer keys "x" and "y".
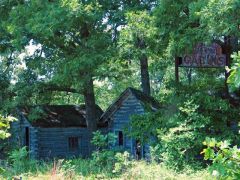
{"x": 117, "y": 132}
{"x": 73, "y": 143}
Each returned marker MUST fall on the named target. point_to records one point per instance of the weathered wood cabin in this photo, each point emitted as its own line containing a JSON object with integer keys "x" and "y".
{"x": 60, "y": 131}
{"x": 118, "y": 115}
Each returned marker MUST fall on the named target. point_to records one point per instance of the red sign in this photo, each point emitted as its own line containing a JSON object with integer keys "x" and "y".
{"x": 204, "y": 56}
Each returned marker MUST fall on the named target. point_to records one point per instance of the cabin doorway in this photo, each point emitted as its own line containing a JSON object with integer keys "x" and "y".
{"x": 138, "y": 150}
{"x": 27, "y": 142}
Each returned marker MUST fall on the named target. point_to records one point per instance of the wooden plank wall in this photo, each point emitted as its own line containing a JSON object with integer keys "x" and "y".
{"x": 53, "y": 142}
{"x": 50, "y": 142}
{"x": 121, "y": 119}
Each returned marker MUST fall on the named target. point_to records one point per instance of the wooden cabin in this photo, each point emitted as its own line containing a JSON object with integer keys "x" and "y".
{"x": 118, "y": 116}
{"x": 60, "y": 131}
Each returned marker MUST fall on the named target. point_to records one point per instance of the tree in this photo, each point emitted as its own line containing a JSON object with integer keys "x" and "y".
{"x": 182, "y": 125}
{"x": 137, "y": 39}
{"x": 73, "y": 43}
{"x": 8, "y": 57}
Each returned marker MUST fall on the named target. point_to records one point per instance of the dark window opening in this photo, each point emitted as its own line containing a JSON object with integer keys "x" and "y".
{"x": 27, "y": 137}
{"x": 73, "y": 143}
{"x": 120, "y": 138}
{"x": 180, "y": 60}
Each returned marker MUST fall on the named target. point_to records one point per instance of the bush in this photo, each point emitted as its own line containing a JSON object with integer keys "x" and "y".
{"x": 21, "y": 163}
{"x": 181, "y": 128}
{"x": 121, "y": 162}
{"x": 104, "y": 158}
{"x": 102, "y": 141}
{"x": 225, "y": 159}
{"x": 5, "y": 126}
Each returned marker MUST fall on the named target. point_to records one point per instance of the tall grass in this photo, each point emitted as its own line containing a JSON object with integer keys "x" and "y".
{"x": 105, "y": 164}
{"x": 84, "y": 169}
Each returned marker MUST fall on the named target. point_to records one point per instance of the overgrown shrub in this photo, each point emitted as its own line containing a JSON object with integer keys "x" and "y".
{"x": 101, "y": 141}
{"x": 106, "y": 158}
{"x": 181, "y": 144}
{"x": 225, "y": 159}
{"x": 21, "y": 163}
{"x": 5, "y": 126}
{"x": 181, "y": 127}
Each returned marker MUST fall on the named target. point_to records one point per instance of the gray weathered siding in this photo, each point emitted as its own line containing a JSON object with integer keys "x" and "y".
{"x": 53, "y": 142}
{"x": 19, "y": 137}
{"x": 121, "y": 118}
{"x": 50, "y": 142}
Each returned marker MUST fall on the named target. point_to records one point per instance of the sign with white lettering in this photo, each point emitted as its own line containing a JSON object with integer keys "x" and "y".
{"x": 204, "y": 56}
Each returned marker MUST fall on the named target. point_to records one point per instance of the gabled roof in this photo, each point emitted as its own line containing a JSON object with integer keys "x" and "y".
{"x": 143, "y": 98}
{"x": 59, "y": 115}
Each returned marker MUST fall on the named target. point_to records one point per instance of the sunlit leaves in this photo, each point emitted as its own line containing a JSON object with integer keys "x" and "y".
{"x": 234, "y": 78}
{"x": 226, "y": 159}
{"x": 221, "y": 17}
{"x": 138, "y": 36}
{"x": 208, "y": 153}
{"x": 178, "y": 23}
{"x": 5, "y": 126}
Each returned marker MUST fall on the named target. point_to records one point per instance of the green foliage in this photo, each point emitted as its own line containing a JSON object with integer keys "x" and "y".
{"x": 36, "y": 113}
{"x": 75, "y": 169}
{"x": 19, "y": 158}
{"x": 122, "y": 162}
{"x": 179, "y": 27}
{"x": 233, "y": 79}
{"x": 110, "y": 160}
{"x": 102, "y": 141}
{"x": 77, "y": 40}
{"x": 66, "y": 51}
{"x": 5, "y": 126}
{"x": 183, "y": 123}
{"x": 225, "y": 159}
{"x": 138, "y": 37}
{"x": 21, "y": 163}
{"x": 18, "y": 155}
{"x": 144, "y": 127}
{"x": 221, "y": 17}
{"x": 182, "y": 141}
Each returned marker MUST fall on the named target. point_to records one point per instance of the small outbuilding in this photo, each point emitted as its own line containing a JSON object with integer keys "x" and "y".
{"x": 57, "y": 130}
{"x": 118, "y": 115}
{"x": 50, "y": 131}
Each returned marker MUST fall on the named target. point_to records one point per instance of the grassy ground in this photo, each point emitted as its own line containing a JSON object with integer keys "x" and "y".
{"x": 81, "y": 169}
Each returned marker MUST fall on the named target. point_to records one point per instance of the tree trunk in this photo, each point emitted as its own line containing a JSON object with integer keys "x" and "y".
{"x": 145, "y": 81}
{"x": 90, "y": 104}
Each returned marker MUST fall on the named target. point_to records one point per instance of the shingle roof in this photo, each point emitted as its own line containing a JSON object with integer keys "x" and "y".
{"x": 60, "y": 115}
{"x": 145, "y": 99}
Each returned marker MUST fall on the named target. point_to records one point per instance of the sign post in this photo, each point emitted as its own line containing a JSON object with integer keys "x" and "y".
{"x": 203, "y": 56}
